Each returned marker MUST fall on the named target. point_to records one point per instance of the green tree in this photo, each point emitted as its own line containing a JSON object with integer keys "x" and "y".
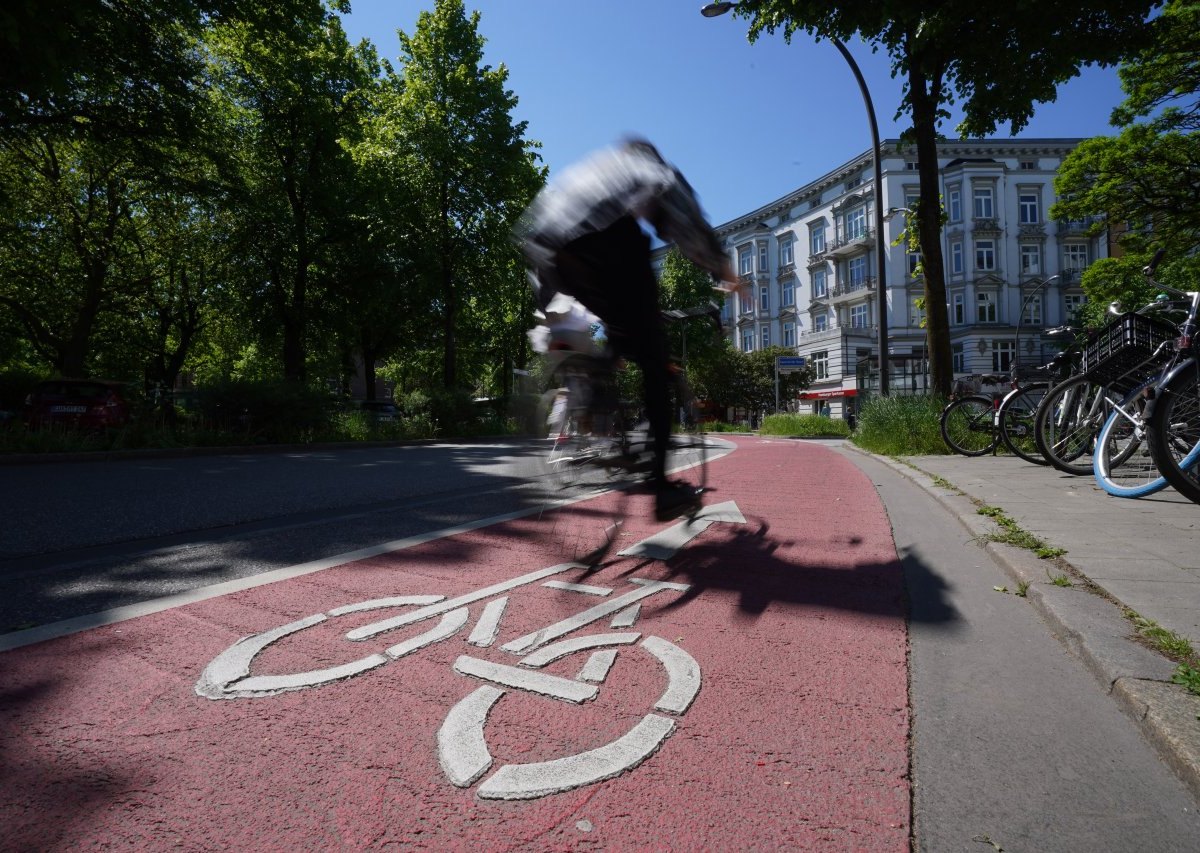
{"x": 1143, "y": 182}
{"x": 996, "y": 64}
{"x": 289, "y": 97}
{"x": 470, "y": 171}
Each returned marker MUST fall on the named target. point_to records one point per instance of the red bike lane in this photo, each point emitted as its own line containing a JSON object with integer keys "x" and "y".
{"x": 747, "y": 692}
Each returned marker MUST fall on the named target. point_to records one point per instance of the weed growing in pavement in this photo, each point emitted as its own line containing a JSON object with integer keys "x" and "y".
{"x": 1011, "y": 534}
{"x": 1059, "y": 580}
{"x": 1023, "y": 589}
{"x": 1189, "y": 678}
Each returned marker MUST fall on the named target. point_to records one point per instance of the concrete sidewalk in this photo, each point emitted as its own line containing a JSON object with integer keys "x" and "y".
{"x": 1141, "y": 554}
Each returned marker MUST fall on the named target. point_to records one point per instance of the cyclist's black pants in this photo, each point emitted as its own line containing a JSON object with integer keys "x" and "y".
{"x": 610, "y": 272}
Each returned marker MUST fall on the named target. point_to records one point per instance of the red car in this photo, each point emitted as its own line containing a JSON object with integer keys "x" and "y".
{"x": 87, "y": 404}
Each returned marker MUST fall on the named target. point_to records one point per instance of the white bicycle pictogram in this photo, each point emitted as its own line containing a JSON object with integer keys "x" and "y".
{"x": 462, "y": 745}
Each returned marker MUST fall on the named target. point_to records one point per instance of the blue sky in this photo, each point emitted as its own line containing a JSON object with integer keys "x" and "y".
{"x": 745, "y": 123}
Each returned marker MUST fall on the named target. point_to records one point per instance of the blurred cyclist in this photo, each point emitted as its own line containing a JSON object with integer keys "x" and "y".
{"x": 581, "y": 237}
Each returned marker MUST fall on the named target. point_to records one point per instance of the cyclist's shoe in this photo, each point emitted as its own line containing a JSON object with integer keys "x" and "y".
{"x": 674, "y": 499}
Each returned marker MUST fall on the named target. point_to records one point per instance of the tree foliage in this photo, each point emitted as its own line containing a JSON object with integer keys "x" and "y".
{"x": 1144, "y": 182}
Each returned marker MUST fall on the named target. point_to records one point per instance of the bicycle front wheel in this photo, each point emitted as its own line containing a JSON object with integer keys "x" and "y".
{"x": 1017, "y": 421}
{"x": 1067, "y": 422}
{"x": 687, "y": 454}
{"x": 1122, "y": 464}
{"x": 968, "y": 426}
{"x": 1175, "y": 431}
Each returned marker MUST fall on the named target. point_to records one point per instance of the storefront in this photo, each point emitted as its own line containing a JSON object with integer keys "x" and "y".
{"x": 832, "y": 403}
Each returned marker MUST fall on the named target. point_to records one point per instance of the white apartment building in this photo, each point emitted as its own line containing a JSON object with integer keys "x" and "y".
{"x": 809, "y": 267}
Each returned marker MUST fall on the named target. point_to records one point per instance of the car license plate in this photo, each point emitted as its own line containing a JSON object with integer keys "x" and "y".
{"x": 68, "y": 410}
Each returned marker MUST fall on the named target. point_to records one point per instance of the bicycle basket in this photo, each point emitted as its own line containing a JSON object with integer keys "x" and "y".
{"x": 1126, "y": 348}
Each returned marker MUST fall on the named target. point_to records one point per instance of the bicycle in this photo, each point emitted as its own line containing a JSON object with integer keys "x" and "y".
{"x": 597, "y": 445}
{"x": 976, "y": 424}
{"x": 1137, "y": 350}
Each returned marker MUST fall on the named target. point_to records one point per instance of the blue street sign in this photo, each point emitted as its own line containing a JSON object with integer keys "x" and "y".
{"x": 794, "y": 362}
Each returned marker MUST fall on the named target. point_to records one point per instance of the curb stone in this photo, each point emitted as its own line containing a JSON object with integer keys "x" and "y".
{"x": 1090, "y": 624}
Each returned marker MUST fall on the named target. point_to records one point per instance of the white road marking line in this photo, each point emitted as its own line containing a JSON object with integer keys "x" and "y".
{"x": 488, "y": 626}
{"x": 368, "y": 631}
{"x": 380, "y": 603}
{"x": 666, "y": 543}
{"x": 597, "y": 666}
{"x": 529, "y": 642}
{"x": 626, "y": 617}
{"x": 522, "y": 679}
{"x": 462, "y": 749}
{"x": 683, "y": 675}
{"x": 578, "y": 587}
{"x": 449, "y": 626}
{"x": 528, "y": 781}
{"x": 575, "y": 644}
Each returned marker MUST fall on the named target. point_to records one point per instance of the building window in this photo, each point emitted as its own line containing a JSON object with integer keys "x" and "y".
{"x": 820, "y": 364}
{"x": 1075, "y": 256}
{"x": 820, "y": 323}
{"x": 985, "y": 307}
{"x": 1033, "y": 310}
{"x": 789, "y": 293}
{"x": 789, "y": 334}
{"x": 955, "y": 206}
{"x": 1072, "y": 304}
{"x": 958, "y": 364}
{"x": 1002, "y": 356}
{"x": 762, "y": 257}
{"x": 959, "y": 309}
{"x": 910, "y": 165}
{"x": 786, "y": 255}
{"x": 956, "y": 258}
{"x": 766, "y": 336}
{"x": 858, "y": 317}
{"x": 816, "y": 240}
{"x": 1030, "y": 207}
{"x": 764, "y": 299}
{"x": 914, "y": 260}
{"x": 856, "y": 181}
{"x": 745, "y": 261}
{"x": 857, "y": 271}
{"x": 984, "y": 208}
{"x": 1028, "y": 165}
{"x": 747, "y": 341}
{"x": 820, "y": 283}
{"x": 856, "y": 223}
{"x": 918, "y": 314}
{"x": 985, "y": 254}
{"x": 1031, "y": 259}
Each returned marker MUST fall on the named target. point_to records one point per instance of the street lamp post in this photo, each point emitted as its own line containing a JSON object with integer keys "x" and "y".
{"x": 713, "y": 10}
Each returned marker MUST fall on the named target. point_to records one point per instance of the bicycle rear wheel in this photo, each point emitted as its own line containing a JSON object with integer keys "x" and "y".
{"x": 1067, "y": 422}
{"x": 1017, "y": 421}
{"x": 1122, "y": 464}
{"x": 968, "y": 426}
{"x": 1175, "y": 431}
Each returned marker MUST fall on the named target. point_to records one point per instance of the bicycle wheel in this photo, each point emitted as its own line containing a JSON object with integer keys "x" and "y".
{"x": 687, "y": 454}
{"x": 1067, "y": 422}
{"x": 1175, "y": 431}
{"x": 968, "y": 426}
{"x": 1017, "y": 419}
{"x": 1122, "y": 463}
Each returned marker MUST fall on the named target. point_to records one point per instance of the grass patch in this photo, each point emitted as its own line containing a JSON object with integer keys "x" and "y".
{"x": 1059, "y": 580}
{"x": 1172, "y": 645}
{"x": 803, "y": 426}
{"x": 901, "y": 426}
{"x": 1010, "y": 533}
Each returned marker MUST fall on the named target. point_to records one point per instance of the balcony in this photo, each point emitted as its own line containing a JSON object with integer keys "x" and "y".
{"x": 836, "y": 333}
{"x": 847, "y": 246}
{"x": 986, "y": 225}
{"x": 846, "y": 291}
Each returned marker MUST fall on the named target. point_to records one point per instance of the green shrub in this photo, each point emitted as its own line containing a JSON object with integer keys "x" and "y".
{"x": 722, "y": 426}
{"x": 901, "y": 426}
{"x": 266, "y": 412}
{"x": 803, "y": 425}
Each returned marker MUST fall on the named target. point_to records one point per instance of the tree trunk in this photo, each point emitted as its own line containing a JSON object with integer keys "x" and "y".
{"x": 937, "y": 317}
